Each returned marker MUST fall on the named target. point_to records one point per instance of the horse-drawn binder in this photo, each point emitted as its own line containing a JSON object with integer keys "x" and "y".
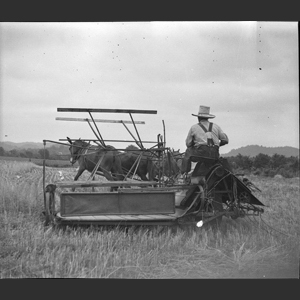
{"x": 163, "y": 197}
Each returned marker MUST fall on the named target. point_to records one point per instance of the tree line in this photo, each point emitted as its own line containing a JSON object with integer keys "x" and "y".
{"x": 34, "y": 153}
{"x": 263, "y": 164}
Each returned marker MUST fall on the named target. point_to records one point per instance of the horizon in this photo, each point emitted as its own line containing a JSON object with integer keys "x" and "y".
{"x": 246, "y": 72}
{"x": 49, "y": 144}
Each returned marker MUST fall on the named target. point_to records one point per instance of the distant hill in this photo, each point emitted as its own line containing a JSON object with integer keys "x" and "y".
{"x": 52, "y": 148}
{"x": 33, "y": 147}
{"x": 253, "y": 150}
{"x": 7, "y": 146}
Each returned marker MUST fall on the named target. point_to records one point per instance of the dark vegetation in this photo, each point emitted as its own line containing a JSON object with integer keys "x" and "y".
{"x": 261, "y": 164}
{"x": 55, "y": 156}
{"x": 265, "y": 165}
{"x": 253, "y": 150}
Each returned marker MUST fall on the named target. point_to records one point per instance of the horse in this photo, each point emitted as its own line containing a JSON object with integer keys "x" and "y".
{"x": 170, "y": 165}
{"x": 177, "y": 157}
{"x": 88, "y": 156}
{"x": 137, "y": 162}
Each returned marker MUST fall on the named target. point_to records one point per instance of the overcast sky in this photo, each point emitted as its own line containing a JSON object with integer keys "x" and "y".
{"x": 246, "y": 72}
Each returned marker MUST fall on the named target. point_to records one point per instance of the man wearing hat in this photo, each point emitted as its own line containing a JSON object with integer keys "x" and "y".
{"x": 203, "y": 142}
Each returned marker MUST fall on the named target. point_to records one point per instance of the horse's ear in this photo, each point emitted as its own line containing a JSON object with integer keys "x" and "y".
{"x": 69, "y": 140}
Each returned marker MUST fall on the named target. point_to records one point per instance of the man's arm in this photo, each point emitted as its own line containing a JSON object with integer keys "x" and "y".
{"x": 189, "y": 141}
{"x": 223, "y": 138}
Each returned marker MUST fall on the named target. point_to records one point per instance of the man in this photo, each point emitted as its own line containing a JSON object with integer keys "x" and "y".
{"x": 203, "y": 142}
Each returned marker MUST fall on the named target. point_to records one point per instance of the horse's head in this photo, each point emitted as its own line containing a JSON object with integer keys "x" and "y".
{"x": 176, "y": 154}
{"x": 76, "y": 149}
{"x": 177, "y": 157}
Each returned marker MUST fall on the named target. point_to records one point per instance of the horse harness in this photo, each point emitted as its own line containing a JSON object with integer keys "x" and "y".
{"x": 81, "y": 152}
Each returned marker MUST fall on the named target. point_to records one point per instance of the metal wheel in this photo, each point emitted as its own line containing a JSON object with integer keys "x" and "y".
{"x": 212, "y": 204}
{"x": 216, "y": 205}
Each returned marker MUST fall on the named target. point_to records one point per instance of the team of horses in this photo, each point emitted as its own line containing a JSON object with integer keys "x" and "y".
{"x": 115, "y": 165}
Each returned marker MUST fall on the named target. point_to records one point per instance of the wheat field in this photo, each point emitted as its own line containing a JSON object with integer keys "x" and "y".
{"x": 250, "y": 247}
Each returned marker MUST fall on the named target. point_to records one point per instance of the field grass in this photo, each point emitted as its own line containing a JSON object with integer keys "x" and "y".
{"x": 39, "y": 161}
{"x": 252, "y": 247}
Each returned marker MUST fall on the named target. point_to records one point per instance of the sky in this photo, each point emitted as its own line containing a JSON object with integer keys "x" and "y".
{"x": 246, "y": 72}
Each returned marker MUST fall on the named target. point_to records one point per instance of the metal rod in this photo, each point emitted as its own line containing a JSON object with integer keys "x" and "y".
{"x": 97, "y": 120}
{"x": 102, "y": 142}
{"x": 96, "y": 168}
{"x": 138, "y": 162}
{"x": 99, "y": 139}
{"x": 159, "y": 161}
{"x": 65, "y": 144}
{"x": 132, "y": 136}
{"x": 136, "y": 130}
{"x": 105, "y": 110}
{"x": 44, "y": 175}
{"x": 135, "y": 162}
{"x": 164, "y": 129}
{"x": 118, "y": 149}
{"x": 118, "y": 141}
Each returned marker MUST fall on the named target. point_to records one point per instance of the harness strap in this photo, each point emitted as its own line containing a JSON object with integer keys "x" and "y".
{"x": 209, "y": 127}
{"x": 82, "y": 152}
{"x": 210, "y": 142}
{"x": 202, "y": 126}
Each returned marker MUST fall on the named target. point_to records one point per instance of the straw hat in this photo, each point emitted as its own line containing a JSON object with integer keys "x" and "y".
{"x": 204, "y": 112}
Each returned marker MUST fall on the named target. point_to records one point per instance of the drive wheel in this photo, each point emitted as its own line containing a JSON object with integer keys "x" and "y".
{"x": 216, "y": 205}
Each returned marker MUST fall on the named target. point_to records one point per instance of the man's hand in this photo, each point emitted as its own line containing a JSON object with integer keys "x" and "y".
{"x": 222, "y": 143}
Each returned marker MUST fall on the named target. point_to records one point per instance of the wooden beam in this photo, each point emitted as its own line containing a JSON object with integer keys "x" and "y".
{"x": 92, "y": 183}
{"x": 97, "y": 120}
{"x": 106, "y": 110}
{"x": 116, "y": 219}
{"x": 118, "y": 141}
{"x": 156, "y": 189}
